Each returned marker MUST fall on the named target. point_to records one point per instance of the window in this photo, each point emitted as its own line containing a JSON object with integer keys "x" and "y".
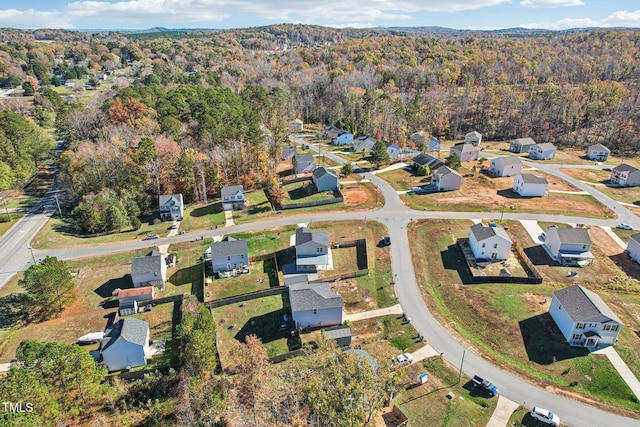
{"x": 495, "y": 245}
{"x": 612, "y": 328}
{"x": 559, "y": 306}
{"x": 319, "y": 250}
{"x": 593, "y": 325}
{"x": 228, "y": 258}
{"x": 576, "y": 336}
{"x": 484, "y": 244}
{"x": 315, "y": 311}
{"x": 580, "y": 326}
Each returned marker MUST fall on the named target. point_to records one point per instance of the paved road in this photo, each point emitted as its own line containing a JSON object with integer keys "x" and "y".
{"x": 395, "y": 215}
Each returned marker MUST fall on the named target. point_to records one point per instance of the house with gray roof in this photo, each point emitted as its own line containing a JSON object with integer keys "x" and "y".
{"x": 505, "y": 166}
{"x": 625, "y": 175}
{"x": 424, "y": 159}
{"x": 363, "y": 142}
{"x": 125, "y": 345}
{"x": 288, "y": 152}
{"x": 303, "y": 163}
{"x": 465, "y": 152}
{"x": 312, "y": 249}
{"x": 569, "y": 245}
{"x": 492, "y": 243}
{"x": 521, "y": 145}
{"x": 393, "y": 150}
{"x": 584, "y": 318}
{"x": 598, "y": 153}
{"x": 130, "y": 299}
{"x": 315, "y": 305}
{"x": 228, "y": 255}
{"x": 232, "y": 197}
{"x": 150, "y": 270}
{"x": 544, "y": 151}
{"x": 341, "y": 334}
{"x": 324, "y": 179}
{"x": 171, "y": 207}
{"x": 530, "y": 185}
{"x": 445, "y": 179}
{"x": 474, "y": 138}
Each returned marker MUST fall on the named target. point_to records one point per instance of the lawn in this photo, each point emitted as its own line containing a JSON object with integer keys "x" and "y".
{"x": 297, "y": 193}
{"x": 6, "y": 225}
{"x": 592, "y": 176}
{"x": 519, "y": 312}
{"x": 261, "y": 276}
{"x": 403, "y": 179}
{"x": 198, "y": 217}
{"x": 521, "y": 418}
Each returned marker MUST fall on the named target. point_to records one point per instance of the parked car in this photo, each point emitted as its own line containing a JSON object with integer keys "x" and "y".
{"x": 403, "y": 359}
{"x": 545, "y": 416}
{"x": 174, "y": 225}
{"x": 623, "y": 226}
{"x": 485, "y": 385}
{"x": 387, "y": 240}
{"x": 543, "y": 236}
{"x": 151, "y": 237}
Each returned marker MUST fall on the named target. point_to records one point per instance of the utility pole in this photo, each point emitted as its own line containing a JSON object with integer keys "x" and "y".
{"x": 32, "y": 256}
{"x": 502, "y": 214}
{"x": 58, "y": 204}
{"x": 461, "y": 364}
{"x": 5, "y": 206}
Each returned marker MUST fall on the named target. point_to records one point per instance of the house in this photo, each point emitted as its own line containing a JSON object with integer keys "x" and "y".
{"x": 303, "y": 163}
{"x": 474, "y": 138}
{"x": 341, "y": 334}
{"x": 544, "y": 151}
{"x": 488, "y": 242}
{"x": 598, "y": 152}
{"x": 363, "y": 142}
{"x": 228, "y": 255}
{"x": 465, "y": 152}
{"x": 232, "y": 197}
{"x": 505, "y": 166}
{"x": 312, "y": 249}
{"x": 324, "y": 179}
{"x": 125, "y": 344}
{"x": 584, "y": 318}
{"x": 530, "y": 185}
{"x": 568, "y": 245}
{"x": 446, "y": 179}
{"x": 625, "y": 175}
{"x": 423, "y": 159}
{"x": 343, "y": 138}
{"x": 130, "y": 299}
{"x": 419, "y": 138}
{"x": 315, "y": 305}
{"x": 633, "y": 247}
{"x": 296, "y": 126}
{"x": 171, "y": 207}
{"x": 393, "y": 150}
{"x": 150, "y": 270}
{"x": 521, "y": 145}
{"x": 288, "y": 152}
{"x": 433, "y": 146}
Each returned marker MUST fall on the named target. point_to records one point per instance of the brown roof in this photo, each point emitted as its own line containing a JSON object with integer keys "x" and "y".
{"x": 135, "y": 291}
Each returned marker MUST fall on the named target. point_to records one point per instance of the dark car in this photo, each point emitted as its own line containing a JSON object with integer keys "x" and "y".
{"x": 387, "y": 240}
{"x": 485, "y": 385}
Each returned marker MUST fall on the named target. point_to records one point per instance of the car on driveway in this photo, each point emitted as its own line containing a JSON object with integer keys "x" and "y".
{"x": 151, "y": 237}
{"x": 545, "y": 416}
{"x": 623, "y": 226}
{"x": 485, "y": 385}
{"x": 403, "y": 359}
{"x": 543, "y": 237}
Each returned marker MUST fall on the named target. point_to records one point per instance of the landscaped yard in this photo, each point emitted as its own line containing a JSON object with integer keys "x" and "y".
{"x": 519, "y": 312}
{"x": 198, "y": 217}
{"x": 261, "y": 276}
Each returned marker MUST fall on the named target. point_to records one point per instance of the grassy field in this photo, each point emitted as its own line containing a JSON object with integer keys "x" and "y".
{"x": 296, "y": 193}
{"x": 198, "y": 217}
{"x": 593, "y": 176}
{"x": 261, "y": 276}
{"x": 519, "y": 312}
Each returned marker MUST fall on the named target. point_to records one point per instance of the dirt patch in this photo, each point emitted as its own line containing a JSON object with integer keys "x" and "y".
{"x": 354, "y": 197}
{"x": 615, "y": 253}
{"x": 356, "y": 298}
{"x": 588, "y": 175}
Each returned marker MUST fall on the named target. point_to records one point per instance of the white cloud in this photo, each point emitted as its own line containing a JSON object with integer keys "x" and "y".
{"x": 31, "y": 18}
{"x": 550, "y": 3}
{"x": 616, "y": 19}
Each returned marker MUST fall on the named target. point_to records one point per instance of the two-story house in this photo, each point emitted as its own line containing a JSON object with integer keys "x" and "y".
{"x": 324, "y": 179}
{"x": 568, "y": 245}
{"x": 232, "y": 197}
{"x": 474, "y": 138}
{"x": 363, "y": 142}
{"x": 544, "y": 151}
{"x": 505, "y": 166}
{"x": 521, "y": 145}
{"x": 530, "y": 185}
{"x": 315, "y": 305}
{"x": 488, "y": 242}
{"x": 303, "y": 163}
{"x": 446, "y": 179}
{"x": 584, "y": 318}
{"x": 125, "y": 345}
{"x": 171, "y": 207}
{"x": 625, "y": 175}
{"x": 465, "y": 152}
{"x": 150, "y": 270}
{"x": 598, "y": 152}
{"x": 228, "y": 255}
{"x": 312, "y": 249}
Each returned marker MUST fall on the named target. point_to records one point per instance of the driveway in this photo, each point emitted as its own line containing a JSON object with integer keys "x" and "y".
{"x": 533, "y": 229}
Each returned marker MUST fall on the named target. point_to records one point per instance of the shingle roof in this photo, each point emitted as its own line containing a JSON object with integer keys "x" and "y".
{"x": 145, "y": 290}
{"x": 529, "y": 178}
{"x": 426, "y": 159}
{"x": 523, "y": 141}
{"x": 230, "y": 191}
{"x": 462, "y": 147}
{"x": 509, "y": 160}
{"x": 444, "y": 170}
{"x": 146, "y": 264}
{"x": 473, "y": 134}
{"x": 303, "y": 157}
{"x": 170, "y": 200}
{"x": 572, "y": 236}
{"x": 126, "y": 330}
{"x": 304, "y": 235}
{"x": 335, "y": 332}
{"x": 322, "y": 171}
{"x": 316, "y": 296}
{"x": 546, "y": 146}
{"x": 599, "y": 147}
{"x": 635, "y": 237}
{"x": 583, "y": 305}
{"x": 229, "y": 247}
{"x": 625, "y": 168}
{"x": 482, "y": 232}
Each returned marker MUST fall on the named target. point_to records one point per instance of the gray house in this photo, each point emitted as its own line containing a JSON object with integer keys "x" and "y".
{"x": 569, "y": 246}
{"x": 324, "y": 179}
{"x": 315, "y": 305}
{"x": 312, "y": 249}
{"x": 506, "y": 166}
{"x": 474, "y": 138}
{"x": 125, "y": 345}
{"x": 303, "y": 163}
{"x": 150, "y": 270}
{"x": 393, "y": 150}
{"x": 625, "y": 175}
{"x": 446, "y": 179}
{"x": 232, "y": 197}
{"x": 465, "y": 152}
{"x": 598, "y": 152}
{"x": 521, "y": 145}
{"x": 288, "y": 152}
{"x": 544, "y": 151}
{"x": 230, "y": 254}
{"x": 171, "y": 207}
{"x": 363, "y": 142}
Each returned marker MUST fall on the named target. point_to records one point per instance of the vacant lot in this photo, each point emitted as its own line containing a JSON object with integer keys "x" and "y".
{"x": 198, "y": 217}
{"x": 519, "y": 313}
{"x": 592, "y": 176}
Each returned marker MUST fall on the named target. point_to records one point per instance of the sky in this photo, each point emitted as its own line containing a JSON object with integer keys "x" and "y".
{"x": 223, "y": 14}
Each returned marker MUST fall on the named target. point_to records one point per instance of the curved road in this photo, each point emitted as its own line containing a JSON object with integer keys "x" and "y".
{"x": 15, "y": 256}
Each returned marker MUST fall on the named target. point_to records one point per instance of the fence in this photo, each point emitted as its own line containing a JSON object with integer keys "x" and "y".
{"x": 351, "y": 275}
{"x": 282, "y": 357}
{"x": 256, "y": 258}
{"x": 248, "y": 296}
{"x": 294, "y": 180}
{"x": 337, "y": 199}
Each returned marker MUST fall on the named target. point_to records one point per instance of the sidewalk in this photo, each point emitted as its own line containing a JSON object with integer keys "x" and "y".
{"x": 622, "y": 368}
{"x": 396, "y": 309}
{"x": 164, "y": 249}
{"x": 502, "y": 413}
{"x": 615, "y": 237}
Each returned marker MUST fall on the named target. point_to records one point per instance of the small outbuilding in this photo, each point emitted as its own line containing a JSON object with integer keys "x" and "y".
{"x": 341, "y": 334}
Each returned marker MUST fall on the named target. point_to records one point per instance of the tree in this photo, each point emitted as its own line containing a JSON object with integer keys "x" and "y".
{"x": 453, "y": 161}
{"x": 379, "y": 154}
{"x": 346, "y": 169}
{"x": 49, "y": 286}
{"x": 28, "y": 88}
{"x": 198, "y": 343}
{"x": 424, "y": 170}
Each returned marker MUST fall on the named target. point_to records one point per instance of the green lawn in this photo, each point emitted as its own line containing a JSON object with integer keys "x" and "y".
{"x": 296, "y": 193}
{"x": 403, "y": 180}
{"x": 261, "y": 276}
{"x": 198, "y": 217}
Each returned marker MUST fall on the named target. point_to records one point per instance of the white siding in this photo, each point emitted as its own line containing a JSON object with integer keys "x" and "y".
{"x": 318, "y": 318}
{"x": 634, "y": 250}
{"x": 227, "y": 263}
{"x": 120, "y": 355}
{"x": 561, "y": 318}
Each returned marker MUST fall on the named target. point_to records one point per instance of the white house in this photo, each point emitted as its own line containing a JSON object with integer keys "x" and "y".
{"x": 474, "y": 138}
{"x": 625, "y": 175}
{"x": 584, "y": 318}
{"x": 324, "y": 179}
{"x": 315, "y": 305}
{"x": 446, "y": 179}
{"x": 530, "y": 185}
{"x": 312, "y": 249}
{"x": 598, "y": 152}
{"x": 171, "y": 207}
{"x": 506, "y": 166}
{"x": 125, "y": 344}
{"x": 393, "y": 150}
{"x": 343, "y": 138}
{"x": 130, "y": 299}
{"x": 363, "y": 142}
{"x": 150, "y": 270}
{"x": 228, "y": 255}
{"x": 568, "y": 245}
{"x": 465, "y": 152}
{"x": 633, "y": 247}
{"x": 303, "y": 163}
{"x": 489, "y": 242}
{"x": 544, "y": 151}
{"x": 521, "y": 145}
{"x": 232, "y": 197}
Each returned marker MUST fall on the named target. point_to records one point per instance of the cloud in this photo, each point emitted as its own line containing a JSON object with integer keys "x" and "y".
{"x": 550, "y": 3}
{"x": 616, "y": 19}
{"x": 31, "y": 18}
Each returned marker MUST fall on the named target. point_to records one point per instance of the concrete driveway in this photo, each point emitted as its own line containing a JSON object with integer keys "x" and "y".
{"x": 533, "y": 229}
